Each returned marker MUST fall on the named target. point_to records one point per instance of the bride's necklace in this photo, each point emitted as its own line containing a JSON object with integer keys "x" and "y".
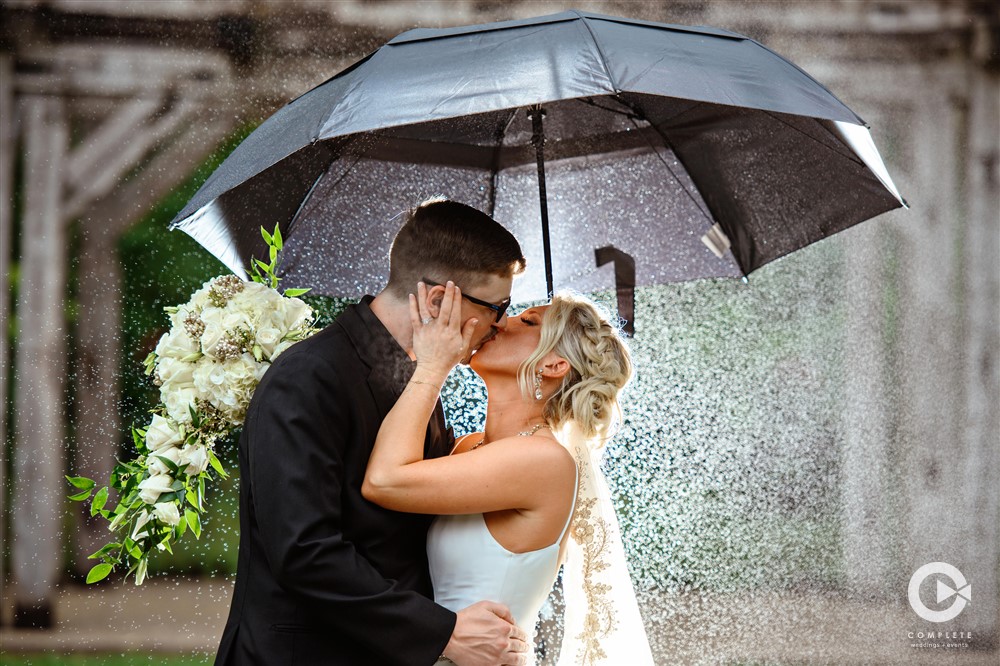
{"x": 523, "y": 433}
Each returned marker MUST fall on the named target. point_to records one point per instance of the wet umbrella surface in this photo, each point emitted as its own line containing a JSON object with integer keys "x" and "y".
{"x": 671, "y": 152}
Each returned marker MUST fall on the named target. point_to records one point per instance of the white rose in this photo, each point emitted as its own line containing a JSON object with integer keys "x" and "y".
{"x": 255, "y": 299}
{"x": 296, "y": 313}
{"x": 176, "y": 344}
{"x": 268, "y": 338}
{"x": 151, "y": 488}
{"x": 196, "y": 459}
{"x": 162, "y": 434}
{"x": 170, "y": 369}
{"x": 241, "y": 369}
{"x": 166, "y": 512}
{"x": 233, "y": 319}
{"x": 215, "y": 331}
{"x": 178, "y": 401}
{"x": 199, "y": 299}
{"x": 157, "y": 466}
{"x": 137, "y": 531}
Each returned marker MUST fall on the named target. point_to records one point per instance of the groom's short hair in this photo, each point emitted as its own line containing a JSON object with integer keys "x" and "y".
{"x": 447, "y": 240}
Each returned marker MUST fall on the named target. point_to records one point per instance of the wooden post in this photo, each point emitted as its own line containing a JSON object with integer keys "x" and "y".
{"x": 39, "y": 490}
{"x": 99, "y": 354}
{"x": 6, "y": 239}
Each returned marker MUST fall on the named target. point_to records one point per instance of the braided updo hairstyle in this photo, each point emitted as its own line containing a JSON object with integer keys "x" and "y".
{"x": 600, "y": 366}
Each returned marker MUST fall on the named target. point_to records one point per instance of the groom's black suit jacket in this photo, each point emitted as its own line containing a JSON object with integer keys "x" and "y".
{"x": 324, "y": 576}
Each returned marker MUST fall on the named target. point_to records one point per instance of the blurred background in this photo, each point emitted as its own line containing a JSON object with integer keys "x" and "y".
{"x": 795, "y": 447}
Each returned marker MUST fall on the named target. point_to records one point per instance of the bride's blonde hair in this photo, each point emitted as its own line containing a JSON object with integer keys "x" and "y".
{"x": 600, "y": 366}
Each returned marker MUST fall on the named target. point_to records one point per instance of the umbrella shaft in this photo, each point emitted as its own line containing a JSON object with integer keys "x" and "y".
{"x": 538, "y": 138}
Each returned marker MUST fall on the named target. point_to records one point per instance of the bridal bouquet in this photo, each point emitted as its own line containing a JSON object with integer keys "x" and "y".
{"x": 207, "y": 366}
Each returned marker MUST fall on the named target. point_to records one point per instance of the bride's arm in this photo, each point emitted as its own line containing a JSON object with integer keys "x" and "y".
{"x": 516, "y": 473}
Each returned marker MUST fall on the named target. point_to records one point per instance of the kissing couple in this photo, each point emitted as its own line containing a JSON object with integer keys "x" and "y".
{"x": 371, "y": 536}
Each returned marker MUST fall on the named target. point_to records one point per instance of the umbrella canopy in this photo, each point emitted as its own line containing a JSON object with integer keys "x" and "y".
{"x": 672, "y": 152}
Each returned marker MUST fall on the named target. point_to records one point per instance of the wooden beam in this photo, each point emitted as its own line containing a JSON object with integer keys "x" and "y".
{"x": 39, "y": 457}
{"x": 107, "y": 140}
{"x": 125, "y": 204}
{"x": 128, "y": 156}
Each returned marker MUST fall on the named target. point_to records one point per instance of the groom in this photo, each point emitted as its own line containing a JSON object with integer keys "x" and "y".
{"x": 325, "y": 577}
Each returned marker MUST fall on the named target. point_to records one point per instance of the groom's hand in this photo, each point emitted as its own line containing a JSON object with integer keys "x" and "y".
{"x": 485, "y": 635}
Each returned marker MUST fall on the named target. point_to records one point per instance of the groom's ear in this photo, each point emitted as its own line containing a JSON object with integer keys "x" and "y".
{"x": 435, "y": 295}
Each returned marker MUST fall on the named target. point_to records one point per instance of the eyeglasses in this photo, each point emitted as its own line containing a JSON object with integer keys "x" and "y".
{"x": 500, "y": 310}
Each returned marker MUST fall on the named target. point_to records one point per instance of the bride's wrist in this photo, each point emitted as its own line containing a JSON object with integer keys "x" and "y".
{"x": 430, "y": 372}
{"x": 428, "y": 377}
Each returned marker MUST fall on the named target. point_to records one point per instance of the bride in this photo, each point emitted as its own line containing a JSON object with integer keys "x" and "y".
{"x": 525, "y": 496}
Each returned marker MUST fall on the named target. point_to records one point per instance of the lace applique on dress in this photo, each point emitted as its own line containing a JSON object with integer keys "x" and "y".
{"x": 591, "y": 533}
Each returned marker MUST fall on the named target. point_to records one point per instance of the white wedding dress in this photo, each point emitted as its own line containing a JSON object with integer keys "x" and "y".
{"x": 602, "y": 624}
{"x": 468, "y": 565}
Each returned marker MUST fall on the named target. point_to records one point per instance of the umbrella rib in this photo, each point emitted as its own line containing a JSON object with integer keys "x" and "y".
{"x": 495, "y": 168}
{"x": 600, "y": 51}
{"x": 850, "y": 156}
{"x": 590, "y": 102}
{"x": 308, "y": 197}
{"x": 666, "y": 142}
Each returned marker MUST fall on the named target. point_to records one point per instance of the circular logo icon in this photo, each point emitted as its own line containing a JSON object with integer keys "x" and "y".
{"x": 960, "y": 590}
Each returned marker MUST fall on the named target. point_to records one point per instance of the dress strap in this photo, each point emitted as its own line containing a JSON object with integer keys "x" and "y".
{"x": 572, "y": 509}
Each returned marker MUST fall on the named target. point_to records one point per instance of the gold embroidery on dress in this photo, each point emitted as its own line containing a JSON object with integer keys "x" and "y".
{"x": 591, "y": 533}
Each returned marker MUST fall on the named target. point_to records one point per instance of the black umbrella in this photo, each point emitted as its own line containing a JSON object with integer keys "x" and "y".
{"x": 661, "y": 152}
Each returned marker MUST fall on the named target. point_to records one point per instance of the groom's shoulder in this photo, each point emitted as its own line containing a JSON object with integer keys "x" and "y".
{"x": 325, "y": 347}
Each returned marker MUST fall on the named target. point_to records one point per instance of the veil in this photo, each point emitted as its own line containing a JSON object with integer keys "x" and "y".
{"x": 602, "y": 624}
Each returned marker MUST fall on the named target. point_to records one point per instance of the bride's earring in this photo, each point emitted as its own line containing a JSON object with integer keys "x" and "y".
{"x": 538, "y": 385}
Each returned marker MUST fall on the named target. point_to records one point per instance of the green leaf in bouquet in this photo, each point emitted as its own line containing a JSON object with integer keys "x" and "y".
{"x": 292, "y": 293}
{"x": 273, "y": 253}
{"x": 149, "y": 363}
{"x": 139, "y": 439}
{"x": 105, "y": 549}
{"x": 81, "y": 482}
{"x": 195, "y": 417}
{"x": 258, "y": 353}
{"x": 81, "y": 496}
{"x": 166, "y": 542}
{"x": 132, "y": 548}
{"x": 100, "y": 499}
{"x": 267, "y": 236}
{"x": 192, "y": 499}
{"x": 168, "y": 497}
{"x": 181, "y": 527}
{"x": 171, "y": 465}
{"x": 194, "y": 522}
{"x": 213, "y": 460}
{"x": 278, "y": 243}
{"x": 99, "y": 572}
{"x": 201, "y": 493}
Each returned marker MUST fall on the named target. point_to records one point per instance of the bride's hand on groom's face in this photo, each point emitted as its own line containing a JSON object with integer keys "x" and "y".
{"x": 485, "y": 635}
{"x": 440, "y": 340}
